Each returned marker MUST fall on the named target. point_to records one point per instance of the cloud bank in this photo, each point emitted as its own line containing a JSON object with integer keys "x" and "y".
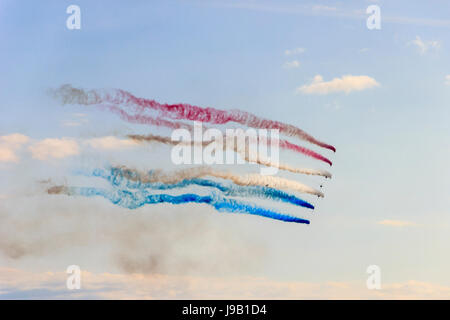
{"x": 16, "y": 283}
{"x": 56, "y": 148}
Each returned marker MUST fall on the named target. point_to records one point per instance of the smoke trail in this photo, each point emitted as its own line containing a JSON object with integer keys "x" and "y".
{"x": 241, "y": 151}
{"x": 180, "y": 111}
{"x": 284, "y": 144}
{"x": 164, "y": 140}
{"x": 154, "y": 121}
{"x": 116, "y": 177}
{"x": 133, "y": 200}
{"x": 198, "y": 172}
{"x": 307, "y": 152}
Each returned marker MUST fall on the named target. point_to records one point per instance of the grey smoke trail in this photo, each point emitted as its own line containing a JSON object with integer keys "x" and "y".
{"x": 254, "y": 158}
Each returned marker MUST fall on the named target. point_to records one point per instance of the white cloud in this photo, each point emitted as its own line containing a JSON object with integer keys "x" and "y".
{"x": 347, "y": 84}
{"x": 291, "y": 64}
{"x": 9, "y": 145}
{"x": 447, "y": 79}
{"x": 7, "y": 155}
{"x": 54, "y": 148}
{"x": 110, "y": 143}
{"x": 14, "y": 139}
{"x": 397, "y": 223}
{"x": 13, "y": 145}
{"x": 425, "y": 46}
{"x": 294, "y": 51}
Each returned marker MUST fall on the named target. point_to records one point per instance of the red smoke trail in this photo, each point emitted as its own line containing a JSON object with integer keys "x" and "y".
{"x": 215, "y": 116}
{"x": 142, "y": 119}
{"x": 180, "y": 111}
{"x": 293, "y": 147}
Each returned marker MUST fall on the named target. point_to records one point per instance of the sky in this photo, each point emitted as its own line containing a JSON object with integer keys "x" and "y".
{"x": 379, "y": 96}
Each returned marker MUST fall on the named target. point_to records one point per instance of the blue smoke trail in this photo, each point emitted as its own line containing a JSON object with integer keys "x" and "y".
{"x": 116, "y": 178}
{"x": 133, "y": 200}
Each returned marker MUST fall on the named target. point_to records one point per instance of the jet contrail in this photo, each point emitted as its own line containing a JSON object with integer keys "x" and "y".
{"x": 180, "y": 111}
{"x": 116, "y": 177}
{"x": 203, "y": 171}
{"x": 134, "y": 200}
{"x": 241, "y": 151}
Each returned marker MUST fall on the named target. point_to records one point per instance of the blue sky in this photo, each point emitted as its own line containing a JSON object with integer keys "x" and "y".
{"x": 392, "y": 140}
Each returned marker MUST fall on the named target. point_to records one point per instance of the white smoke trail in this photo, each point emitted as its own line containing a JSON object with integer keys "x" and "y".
{"x": 198, "y": 172}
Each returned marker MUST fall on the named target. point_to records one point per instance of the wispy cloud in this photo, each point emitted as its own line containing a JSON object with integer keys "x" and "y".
{"x": 346, "y": 83}
{"x": 79, "y": 119}
{"x": 71, "y": 123}
{"x": 397, "y": 223}
{"x": 295, "y": 51}
{"x": 430, "y": 22}
{"x": 80, "y": 115}
{"x": 425, "y": 46}
{"x": 291, "y": 64}
{"x": 447, "y": 80}
{"x": 110, "y": 143}
{"x": 321, "y": 10}
{"x": 320, "y": 7}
